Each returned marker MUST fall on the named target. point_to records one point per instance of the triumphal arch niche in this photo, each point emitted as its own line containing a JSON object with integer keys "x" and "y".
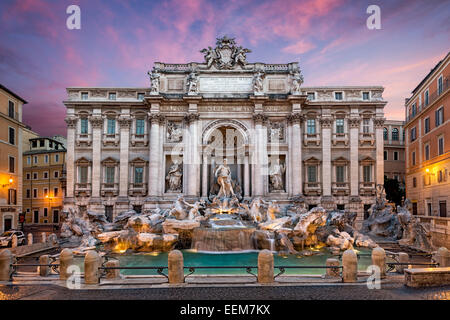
{"x": 224, "y": 125}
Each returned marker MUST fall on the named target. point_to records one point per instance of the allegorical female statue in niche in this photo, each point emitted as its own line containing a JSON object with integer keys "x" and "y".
{"x": 174, "y": 177}
{"x": 276, "y": 176}
{"x": 223, "y": 176}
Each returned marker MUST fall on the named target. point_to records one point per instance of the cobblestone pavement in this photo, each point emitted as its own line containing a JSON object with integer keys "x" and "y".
{"x": 319, "y": 292}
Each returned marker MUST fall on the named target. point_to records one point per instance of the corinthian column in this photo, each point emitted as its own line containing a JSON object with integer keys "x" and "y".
{"x": 154, "y": 156}
{"x": 260, "y": 156}
{"x": 354, "y": 164}
{"x": 326, "y": 122}
{"x": 70, "y": 156}
{"x": 379, "y": 123}
{"x": 192, "y": 155}
{"x": 295, "y": 119}
{"x": 97, "y": 124}
{"x": 124, "y": 122}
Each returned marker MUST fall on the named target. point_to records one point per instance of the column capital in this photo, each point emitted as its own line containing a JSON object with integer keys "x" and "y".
{"x": 96, "y": 121}
{"x": 156, "y": 118}
{"x": 354, "y": 122}
{"x": 124, "y": 121}
{"x": 326, "y": 122}
{"x": 378, "y": 122}
{"x": 260, "y": 118}
{"x": 295, "y": 117}
{"x": 71, "y": 122}
{"x": 191, "y": 117}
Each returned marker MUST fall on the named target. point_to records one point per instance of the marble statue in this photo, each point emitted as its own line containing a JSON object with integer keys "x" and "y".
{"x": 276, "y": 132}
{"x": 276, "y": 176}
{"x": 240, "y": 55}
{"x": 258, "y": 83}
{"x": 192, "y": 83}
{"x": 209, "y": 55}
{"x": 297, "y": 80}
{"x": 174, "y": 177}
{"x": 154, "y": 82}
{"x": 226, "y": 54}
{"x": 223, "y": 176}
{"x": 178, "y": 210}
{"x": 174, "y": 132}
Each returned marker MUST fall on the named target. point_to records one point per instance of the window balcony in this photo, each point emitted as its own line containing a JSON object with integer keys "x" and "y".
{"x": 139, "y": 140}
{"x": 111, "y": 139}
{"x": 109, "y": 189}
{"x": 82, "y": 189}
{"x": 137, "y": 189}
{"x": 312, "y": 188}
{"x": 340, "y": 138}
{"x": 367, "y": 138}
{"x": 311, "y": 139}
{"x": 83, "y": 139}
{"x": 367, "y": 188}
{"x": 340, "y": 188}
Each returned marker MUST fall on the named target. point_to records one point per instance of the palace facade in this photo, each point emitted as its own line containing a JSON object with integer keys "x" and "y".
{"x": 141, "y": 148}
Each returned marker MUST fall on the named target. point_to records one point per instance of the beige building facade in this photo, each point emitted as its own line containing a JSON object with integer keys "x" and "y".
{"x": 394, "y": 150}
{"x": 11, "y": 128}
{"x": 141, "y": 148}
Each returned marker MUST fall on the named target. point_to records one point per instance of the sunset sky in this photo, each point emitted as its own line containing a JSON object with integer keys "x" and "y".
{"x": 120, "y": 40}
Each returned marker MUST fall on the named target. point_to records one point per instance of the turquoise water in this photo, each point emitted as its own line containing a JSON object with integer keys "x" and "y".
{"x": 196, "y": 259}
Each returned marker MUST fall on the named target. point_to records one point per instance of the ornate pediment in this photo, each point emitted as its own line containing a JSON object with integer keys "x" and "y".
{"x": 226, "y": 54}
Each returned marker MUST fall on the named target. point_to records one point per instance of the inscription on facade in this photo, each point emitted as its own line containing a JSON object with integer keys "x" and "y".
{"x": 225, "y": 109}
{"x": 225, "y": 84}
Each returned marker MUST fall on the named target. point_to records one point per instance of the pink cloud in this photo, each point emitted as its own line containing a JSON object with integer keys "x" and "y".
{"x": 299, "y": 47}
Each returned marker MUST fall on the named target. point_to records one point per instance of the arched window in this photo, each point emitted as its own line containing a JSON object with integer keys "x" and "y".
{"x": 395, "y": 134}
{"x": 385, "y": 133}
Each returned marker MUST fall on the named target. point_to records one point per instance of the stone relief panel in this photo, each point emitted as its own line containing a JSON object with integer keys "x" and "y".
{"x": 174, "y": 132}
{"x": 275, "y": 131}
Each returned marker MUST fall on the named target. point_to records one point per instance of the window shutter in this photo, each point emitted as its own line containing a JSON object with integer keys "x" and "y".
{"x": 436, "y": 118}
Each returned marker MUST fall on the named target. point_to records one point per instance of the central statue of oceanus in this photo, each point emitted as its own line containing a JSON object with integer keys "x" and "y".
{"x": 223, "y": 176}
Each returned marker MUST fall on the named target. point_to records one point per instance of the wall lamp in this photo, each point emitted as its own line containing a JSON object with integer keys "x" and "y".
{"x": 8, "y": 184}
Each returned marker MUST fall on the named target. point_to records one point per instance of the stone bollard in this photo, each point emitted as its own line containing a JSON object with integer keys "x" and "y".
{"x": 112, "y": 273}
{"x": 44, "y": 270}
{"x": 349, "y": 266}
{"x": 332, "y": 272}
{"x": 30, "y": 239}
{"x": 14, "y": 241}
{"x": 6, "y": 260}
{"x": 92, "y": 262}
{"x": 402, "y": 258}
{"x": 176, "y": 264}
{"x": 44, "y": 237}
{"x": 379, "y": 260}
{"x": 443, "y": 257}
{"x": 265, "y": 266}
{"x": 65, "y": 260}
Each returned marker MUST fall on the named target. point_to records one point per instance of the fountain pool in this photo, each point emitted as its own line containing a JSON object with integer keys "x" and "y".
{"x": 193, "y": 258}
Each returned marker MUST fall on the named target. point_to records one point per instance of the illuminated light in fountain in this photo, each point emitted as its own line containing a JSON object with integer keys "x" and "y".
{"x": 121, "y": 246}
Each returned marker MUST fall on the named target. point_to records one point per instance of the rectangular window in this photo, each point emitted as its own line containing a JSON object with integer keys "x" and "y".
{"x": 41, "y": 143}
{"x": 82, "y": 174}
{"x": 12, "y": 196}
{"x": 140, "y": 96}
{"x": 439, "y": 114}
{"x": 338, "y": 95}
{"x": 311, "y": 126}
{"x": 396, "y": 155}
{"x": 56, "y": 158}
{"x": 11, "y": 110}
{"x": 84, "y": 96}
{"x": 111, "y": 128}
{"x": 29, "y": 160}
{"x": 413, "y": 110}
{"x": 12, "y": 163}
{"x": 45, "y": 192}
{"x": 443, "y": 209}
{"x": 427, "y": 124}
{"x": 312, "y": 174}
{"x": 28, "y": 176}
{"x": 427, "y": 152}
{"x": 55, "y": 192}
{"x": 112, "y": 96}
{"x": 413, "y": 134}
{"x": 140, "y": 126}
{"x": 110, "y": 174}
{"x": 45, "y": 212}
{"x": 35, "y": 194}
{"x": 12, "y": 136}
{"x": 46, "y": 158}
{"x": 55, "y": 216}
{"x": 35, "y": 159}
{"x": 365, "y": 95}
{"x": 440, "y": 85}
{"x": 28, "y": 194}
{"x": 340, "y": 174}
{"x": 367, "y": 173}
{"x": 56, "y": 174}
{"x": 84, "y": 126}
{"x": 366, "y": 125}
{"x": 413, "y": 158}
{"x": 339, "y": 125}
{"x": 385, "y": 155}
{"x": 45, "y": 175}
{"x": 440, "y": 145}
{"x": 427, "y": 97}
{"x": 414, "y": 182}
{"x": 311, "y": 96}
{"x": 138, "y": 175}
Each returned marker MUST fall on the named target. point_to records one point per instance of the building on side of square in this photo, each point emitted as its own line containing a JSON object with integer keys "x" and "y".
{"x": 143, "y": 147}
{"x": 394, "y": 150}
{"x": 427, "y": 130}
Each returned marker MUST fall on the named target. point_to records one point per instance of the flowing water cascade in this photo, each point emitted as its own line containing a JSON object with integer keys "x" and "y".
{"x": 227, "y": 239}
